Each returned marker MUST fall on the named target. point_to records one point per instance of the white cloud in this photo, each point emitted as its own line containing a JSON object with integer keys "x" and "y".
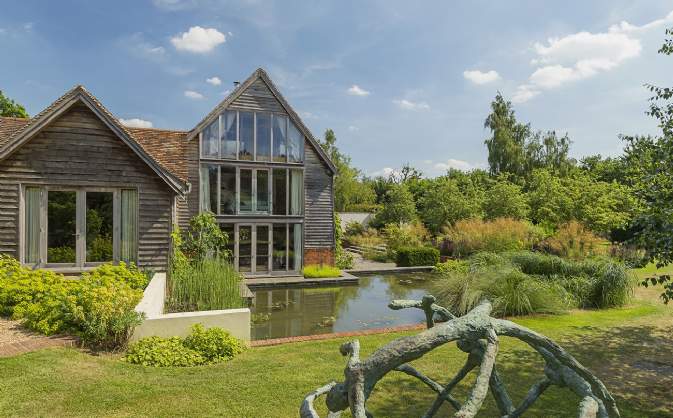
{"x": 28, "y": 26}
{"x": 215, "y": 81}
{"x": 479, "y": 77}
{"x": 356, "y": 90}
{"x": 198, "y": 40}
{"x": 385, "y": 172}
{"x": 308, "y": 115}
{"x": 136, "y": 123}
{"x": 193, "y": 95}
{"x": 582, "y": 55}
{"x": 409, "y": 105}
{"x": 353, "y": 128}
{"x": 453, "y": 163}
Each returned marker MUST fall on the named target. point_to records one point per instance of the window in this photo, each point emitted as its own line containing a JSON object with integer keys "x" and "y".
{"x": 246, "y": 135}
{"x": 262, "y": 192}
{"x": 279, "y": 138}
{"x": 295, "y": 145}
{"x": 279, "y": 191}
{"x": 227, "y": 190}
{"x": 209, "y": 173}
{"x": 78, "y": 227}
{"x": 245, "y": 178}
{"x": 245, "y": 248}
{"x": 295, "y": 246}
{"x": 280, "y": 247}
{"x": 229, "y": 134}
{"x": 263, "y": 138}
{"x": 210, "y": 142}
{"x": 99, "y": 226}
{"x": 296, "y": 192}
{"x": 249, "y": 136}
{"x": 228, "y": 229}
{"x": 262, "y": 248}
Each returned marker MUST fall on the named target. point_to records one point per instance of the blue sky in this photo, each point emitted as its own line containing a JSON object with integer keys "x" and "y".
{"x": 398, "y": 81}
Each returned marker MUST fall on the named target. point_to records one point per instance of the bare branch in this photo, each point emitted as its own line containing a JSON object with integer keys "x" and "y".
{"x": 480, "y": 389}
{"x": 535, "y": 391}
{"x": 405, "y": 368}
{"x": 307, "y": 411}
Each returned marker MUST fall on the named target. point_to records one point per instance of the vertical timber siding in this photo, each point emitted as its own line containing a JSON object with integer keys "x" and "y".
{"x": 188, "y": 206}
{"x": 78, "y": 149}
{"x": 319, "y": 206}
{"x": 257, "y": 97}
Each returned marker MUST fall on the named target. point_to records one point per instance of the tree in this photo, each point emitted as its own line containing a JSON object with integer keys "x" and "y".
{"x": 505, "y": 200}
{"x": 348, "y": 188}
{"x": 508, "y": 137}
{"x": 9, "y": 107}
{"x": 443, "y": 203}
{"x": 398, "y": 207}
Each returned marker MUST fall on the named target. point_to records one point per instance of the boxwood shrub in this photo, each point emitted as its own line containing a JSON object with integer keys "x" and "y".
{"x": 417, "y": 256}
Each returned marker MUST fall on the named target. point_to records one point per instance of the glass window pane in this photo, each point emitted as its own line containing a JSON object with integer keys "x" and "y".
{"x": 279, "y": 191}
{"x": 98, "y": 226}
{"x": 263, "y": 191}
{"x": 296, "y": 192}
{"x": 208, "y": 188}
{"x": 244, "y": 248}
{"x": 210, "y": 141}
{"x": 61, "y": 230}
{"x": 129, "y": 225}
{"x": 246, "y": 132}
{"x": 280, "y": 247}
{"x": 295, "y": 247}
{"x": 228, "y": 229}
{"x": 263, "y": 136}
{"x": 295, "y": 144}
{"x": 32, "y": 225}
{"x": 246, "y": 190}
{"x": 227, "y": 190}
{"x": 279, "y": 138}
{"x": 262, "y": 247}
{"x": 228, "y": 136}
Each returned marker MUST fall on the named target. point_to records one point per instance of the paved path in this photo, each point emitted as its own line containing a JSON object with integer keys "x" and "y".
{"x": 15, "y": 339}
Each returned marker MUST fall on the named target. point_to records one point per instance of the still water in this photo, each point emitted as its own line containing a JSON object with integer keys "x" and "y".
{"x": 318, "y": 310}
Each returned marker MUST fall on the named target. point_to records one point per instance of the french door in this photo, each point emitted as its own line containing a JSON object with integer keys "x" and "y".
{"x": 77, "y": 227}
{"x": 253, "y": 248}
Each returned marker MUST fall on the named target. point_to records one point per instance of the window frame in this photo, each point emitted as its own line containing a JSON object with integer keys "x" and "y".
{"x": 80, "y": 225}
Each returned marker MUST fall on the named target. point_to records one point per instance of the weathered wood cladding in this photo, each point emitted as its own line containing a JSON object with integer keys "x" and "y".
{"x": 319, "y": 201}
{"x": 258, "y": 98}
{"x": 78, "y": 149}
{"x": 188, "y": 206}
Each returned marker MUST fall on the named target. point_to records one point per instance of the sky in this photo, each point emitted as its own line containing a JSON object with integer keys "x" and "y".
{"x": 398, "y": 81}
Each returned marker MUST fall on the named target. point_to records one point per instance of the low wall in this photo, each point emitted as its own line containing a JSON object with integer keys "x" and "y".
{"x": 157, "y": 323}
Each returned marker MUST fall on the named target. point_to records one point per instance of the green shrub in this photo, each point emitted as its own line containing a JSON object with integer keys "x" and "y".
{"x": 417, "y": 256}
{"x": 129, "y": 274}
{"x": 208, "y": 284}
{"x": 406, "y": 235}
{"x": 451, "y": 266}
{"x": 103, "y": 310}
{"x": 202, "y": 346}
{"x": 502, "y": 234}
{"x": 343, "y": 259}
{"x": 163, "y": 352}
{"x": 354, "y": 228}
{"x": 61, "y": 254}
{"x": 631, "y": 256}
{"x": 214, "y": 344}
{"x": 313, "y": 271}
{"x": 101, "y": 248}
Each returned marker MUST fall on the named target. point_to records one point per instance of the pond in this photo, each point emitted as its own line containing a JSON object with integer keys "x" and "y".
{"x": 295, "y": 311}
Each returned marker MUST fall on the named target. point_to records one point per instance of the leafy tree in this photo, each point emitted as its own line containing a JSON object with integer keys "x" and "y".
{"x": 505, "y": 200}
{"x": 398, "y": 207}
{"x": 508, "y": 137}
{"x": 443, "y": 203}
{"x": 348, "y": 189}
{"x": 9, "y": 107}
{"x": 550, "y": 201}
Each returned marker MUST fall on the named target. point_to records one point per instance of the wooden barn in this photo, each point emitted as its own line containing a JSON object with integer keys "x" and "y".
{"x": 78, "y": 188}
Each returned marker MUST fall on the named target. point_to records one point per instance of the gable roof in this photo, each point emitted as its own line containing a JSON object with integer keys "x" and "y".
{"x": 14, "y": 133}
{"x": 260, "y": 74}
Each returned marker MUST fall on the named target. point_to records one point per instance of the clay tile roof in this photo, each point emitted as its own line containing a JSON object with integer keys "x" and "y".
{"x": 167, "y": 147}
{"x": 9, "y": 126}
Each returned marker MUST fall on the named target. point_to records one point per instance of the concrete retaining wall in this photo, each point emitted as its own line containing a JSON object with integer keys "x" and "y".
{"x": 157, "y": 323}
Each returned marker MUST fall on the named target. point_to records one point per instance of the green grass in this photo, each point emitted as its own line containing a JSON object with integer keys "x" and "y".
{"x": 625, "y": 346}
{"x": 315, "y": 271}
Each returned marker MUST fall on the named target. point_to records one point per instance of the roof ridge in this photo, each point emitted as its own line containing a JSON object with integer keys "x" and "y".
{"x": 159, "y": 129}
{"x": 15, "y": 117}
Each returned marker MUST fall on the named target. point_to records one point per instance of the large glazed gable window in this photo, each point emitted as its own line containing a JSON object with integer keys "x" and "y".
{"x": 78, "y": 227}
{"x": 253, "y": 136}
{"x": 232, "y": 190}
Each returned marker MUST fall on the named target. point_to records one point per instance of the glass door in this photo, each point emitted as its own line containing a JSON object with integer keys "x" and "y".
{"x": 263, "y": 248}
{"x": 62, "y": 233}
{"x": 244, "y": 241}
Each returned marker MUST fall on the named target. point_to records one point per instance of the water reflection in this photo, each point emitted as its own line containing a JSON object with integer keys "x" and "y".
{"x": 306, "y": 311}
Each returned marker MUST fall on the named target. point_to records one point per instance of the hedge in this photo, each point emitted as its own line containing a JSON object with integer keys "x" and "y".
{"x": 417, "y": 256}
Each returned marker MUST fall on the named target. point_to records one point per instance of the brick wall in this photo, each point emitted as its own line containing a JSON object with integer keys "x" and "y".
{"x": 319, "y": 256}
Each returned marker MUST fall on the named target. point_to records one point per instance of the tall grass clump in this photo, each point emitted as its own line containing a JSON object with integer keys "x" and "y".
{"x": 201, "y": 275}
{"x": 573, "y": 240}
{"x": 209, "y": 284}
{"x": 470, "y": 236}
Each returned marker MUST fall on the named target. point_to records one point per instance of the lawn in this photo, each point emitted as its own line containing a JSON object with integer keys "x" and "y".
{"x": 629, "y": 348}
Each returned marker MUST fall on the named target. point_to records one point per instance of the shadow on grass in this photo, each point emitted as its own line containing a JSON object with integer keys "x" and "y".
{"x": 635, "y": 363}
